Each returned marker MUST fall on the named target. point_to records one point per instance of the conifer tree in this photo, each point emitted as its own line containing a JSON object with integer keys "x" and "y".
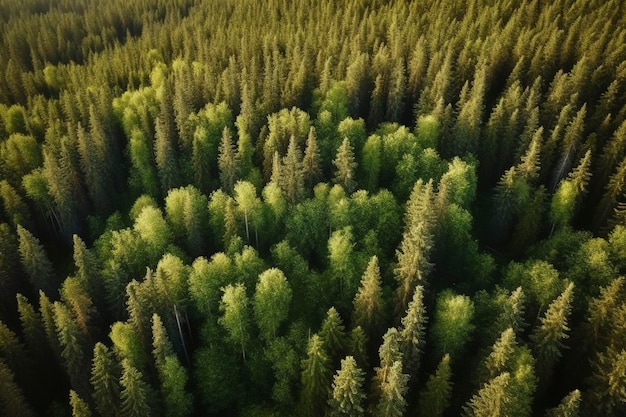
{"x": 393, "y": 390}
{"x": 613, "y": 191}
{"x": 492, "y": 400}
{"x": 345, "y": 164}
{"x": 417, "y": 242}
{"x": 73, "y": 347}
{"x": 347, "y": 397}
{"x": 548, "y": 337}
{"x": 357, "y": 347}
{"x": 35, "y": 261}
{"x": 165, "y": 142}
{"x": 311, "y": 163}
{"x": 135, "y": 393}
{"x": 105, "y": 381}
{"x": 568, "y": 407}
{"x": 32, "y": 326}
{"x": 501, "y": 354}
{"x": 368, "y": 302}
{"x": 292, "y": 177}
{"x": 435, "y": 398}
{"x": 333, "y": 334}
{"x": 12, "y": 401}
{"x": 316, "y": 378}
{"x": 412, "y": 332}
{"x": 79, "y": 406}
{"x": 16, "y": 210}
{"x": 570, "y": 192}
{"x": 227, "y": 162}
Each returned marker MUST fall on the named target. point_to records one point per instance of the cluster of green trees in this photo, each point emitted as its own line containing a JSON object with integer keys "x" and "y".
{"x": 281, "y": 208}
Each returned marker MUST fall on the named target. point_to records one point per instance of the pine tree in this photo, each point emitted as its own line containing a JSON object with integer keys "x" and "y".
{"x": 613, "y": 191}
{"x": 501, "y": 354}
{"x": 368, "y": 302}
{"x": 105, "y": 381}
{"x": 492, "y": 400}
{"x": 292, "y": 176}
{"x": 79, "y": 406}
{"x": 570, "y": 192}
{"x": 412, "y": 332}
{"x": 73, "y": 347}
{"x": 165, "y": 141}
{"x": 333, "y": 334}
{"x": 417, "y": 242}
{"x": 568, "y": 407}
{"x": 548, "y": 337}
{"x": 32, "y": 326}
{"x": 12, "y": 401}
{"x": 393, "y": 390}
{"x": 35, "y": 261}
{"x": 227, "y": 162}
{"x": 347, "y": 397}
{"x": 311, "y": 163}
{"x": 135, "y": 393}
{"x": 435, "y": 398}
{"x": 316, "y": 378}
{"x": 345, "y": 163}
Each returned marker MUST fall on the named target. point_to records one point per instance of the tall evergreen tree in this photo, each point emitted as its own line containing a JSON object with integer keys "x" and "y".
{"x": 492, "y": 400}
{"x": 79, "y": 407}
{"x": 311, "y": 163}
{"x": 393, "y": 390}
{"x": 227, "y": 162}
{"x": 568, "y": 407}
{"x": 292, "y": 176}
{"x": 548, "y": 337}
{"x": 347, "y": 395}
{"x": 435, "y": 398}
{"x": 412, "y": 332}
{"x": 12, "y": 401}
{"x": 368, "y": 302}
{"x": 135, "y": 393}
{"x": 35, "y": 262}
{"x": 333, "y": 334}
{"x": 345, "y": 164}
{"x": 105, "y": 378}
{"x": 316, "y": 378}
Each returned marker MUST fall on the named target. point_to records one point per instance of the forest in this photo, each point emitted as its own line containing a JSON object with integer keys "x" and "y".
{"x": 360, "y": 208}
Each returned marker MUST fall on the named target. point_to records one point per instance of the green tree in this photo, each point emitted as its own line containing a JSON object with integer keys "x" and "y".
{"x": 311, "y": 162}
{"x": 227, "y": 161}
{"x": 569, "y": 193}
{"x": 435, "y": 398}
{"x": 291, "y": 173}
{"x": 568, "y": 407}
{"x": 235, "y": 316}
{"x": 32, "y": 326}
{"x": 412, "y": 332}
{"x": 271, "y": 302}
{"x": 347, "y": 395}
{"x": 79, "y": 407}
{"x": 452, "y": 327}
{"x": 12, "y": 401}
{"x": 493, "y": 399}
{"x": 135, "y": 393}
{"x": 333, "y": 334}
{"x": 549, "y": 335}
{"x": 393, "y": 390}
{"x": 165, "y": 140}
{"x": 186, "y": 211}
{"x": 35, "y": 262}
{"x": 369, "y": 310}
{"x": 417, "y": 242}
{"x": 345, "y": 164}
{"x": 105, "y": 377}
{"x": 316, "y": 378}
{"x": 251, "y": 207}
{"x": 73, "y": 347}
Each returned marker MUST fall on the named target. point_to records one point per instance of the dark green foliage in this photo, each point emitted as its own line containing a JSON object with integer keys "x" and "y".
{"x": 203, "y": 180}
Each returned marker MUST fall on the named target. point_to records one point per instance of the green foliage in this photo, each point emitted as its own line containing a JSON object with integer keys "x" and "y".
{"x": 434, "y": 399}
{"x": 347, "y": 392}
{"x": 271, "y": 302}
{"x": 452, "y": 325}
{"x": 235, "y": 318}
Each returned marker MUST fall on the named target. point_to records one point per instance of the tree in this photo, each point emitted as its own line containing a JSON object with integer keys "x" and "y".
{"x": 568, "y": 407}
{"x": 492, "y": 400}
{"x": 186, "y": 211}
{"x": 251, "y": 206}
{"x": 291, "y": 174}
{"x": 570, "y": 192}
{"x": 271, "y": 302}
{"x": 368, "y": 302}
{"x": 227, "y": 161}
{"x": 235, "y": 316}
{"x": 412, "y": 332}
{"x": 452, "y": 327}
{"x": 316, "y": 378}
{"x": 32, "y": 326}
{"x": 12, "y": 401}
{"x": 333, "y": 334}
{"x": 548, "y": 337}
{"x": 135, "y": 394}
{"x": 342, "y": 264}
{"x": 345, "y": 164}
{"x": 435, "y": 398}
{"x": 79, "y": 406}
{"x": 347, "y": 390}
{"x": 501, "y": 354}
{"x": 393, "y": 390}
{"x": 417, "y": 242}
{"x": 35, "y": 261}
{"x": 165, "y": 140}
{"x": 311, "y": 163}
{"x": 105, "y": 381}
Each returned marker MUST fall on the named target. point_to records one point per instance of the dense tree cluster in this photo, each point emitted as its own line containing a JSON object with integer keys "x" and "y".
{"x": 311, "y": 208}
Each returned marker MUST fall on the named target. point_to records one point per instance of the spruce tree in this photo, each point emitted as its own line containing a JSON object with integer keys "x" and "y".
{"x": 105, "y": 378}
{"x": 347, "y": 396}
{"x": 316, "y": 378}
{"x": 393, "y": 390}
{"x": 292, "y": 176}
{"x": 311, "y": 163}
{"x": 79, "y": 407}
{"x": 35, "y": 262}
{"x": 345, "y": 164}
{"x": 568, "y": 407}
{"x": 333, "y": 334}
{"x": 435, "y": 398}
{"x": 135, "y": 393}
{"x": 412, "y": 332}
{"x": 368, "y": 302}
{"x": 227, "y": 162}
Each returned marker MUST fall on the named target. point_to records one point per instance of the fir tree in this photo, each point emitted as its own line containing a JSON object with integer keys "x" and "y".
{"x": 347, "y": 395}
{"x": 316, "y": 378}
{"x": 435, "y": 398}
{"x": 345, "y": 164}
